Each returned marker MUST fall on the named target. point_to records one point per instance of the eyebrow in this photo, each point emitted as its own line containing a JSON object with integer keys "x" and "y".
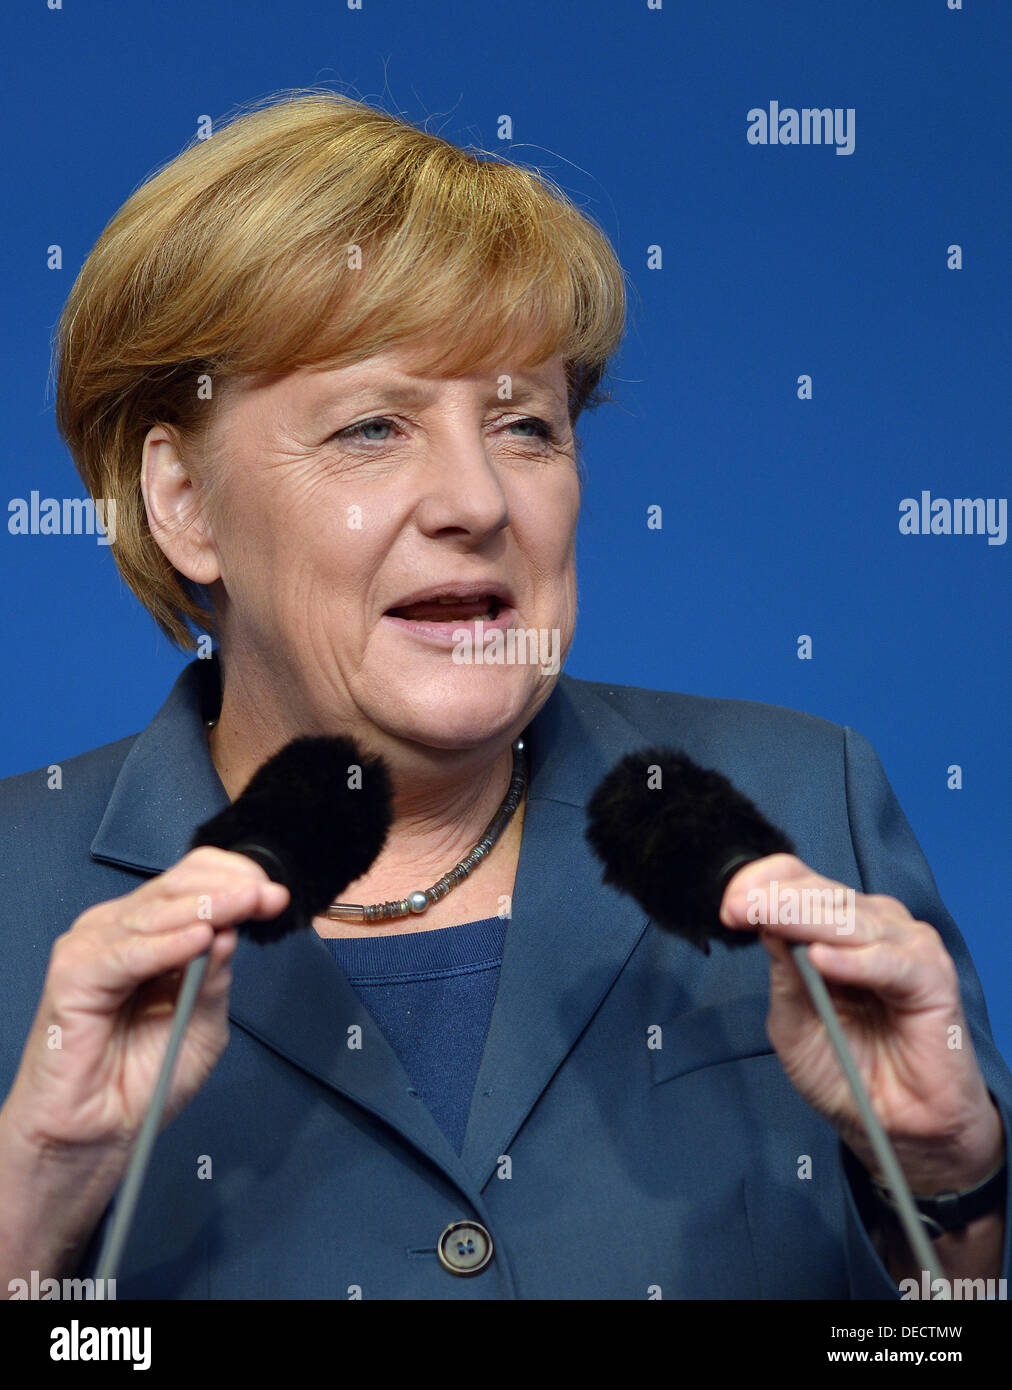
{"x": 416, "y": 394}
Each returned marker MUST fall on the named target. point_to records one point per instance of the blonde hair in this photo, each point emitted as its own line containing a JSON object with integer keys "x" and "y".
{"x": 233, "y": 259}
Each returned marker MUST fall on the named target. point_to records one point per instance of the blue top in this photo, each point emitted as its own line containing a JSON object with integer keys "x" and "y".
{"x": 431, "y": 993}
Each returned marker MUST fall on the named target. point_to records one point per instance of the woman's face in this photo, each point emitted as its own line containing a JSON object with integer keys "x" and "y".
{"x": 349, "y": 493}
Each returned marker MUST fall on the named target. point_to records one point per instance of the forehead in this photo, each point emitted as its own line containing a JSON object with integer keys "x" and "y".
{"x": 404, "y": 376}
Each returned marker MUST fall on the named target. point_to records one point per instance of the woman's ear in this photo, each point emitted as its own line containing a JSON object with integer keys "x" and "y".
{"x": 176, "y": 509}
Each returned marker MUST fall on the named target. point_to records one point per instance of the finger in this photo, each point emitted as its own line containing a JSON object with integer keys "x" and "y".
{"x": 209, "y": 856}
{"x": 217, "y": 982}
{"x": 117, "y": 960}
{"x": 223, "y": 901}
{"x": 758, "y": 872}
{"x": 193, "y": 875}
{"x": 210, "y": 866}
{"x": 814, "y": 908}
{"x": 908, "y": 979}
{"x": 752, "y": 881}
{"x": 792, "y": 1013}
{"x": 98, "y": 964}
{"x": 84, "y": 980}
{"x": 164, "y": 989}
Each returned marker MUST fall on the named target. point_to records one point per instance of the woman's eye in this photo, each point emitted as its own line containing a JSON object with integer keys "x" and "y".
{"x": 358, "y": 431}
{"x": 542, "y": 428}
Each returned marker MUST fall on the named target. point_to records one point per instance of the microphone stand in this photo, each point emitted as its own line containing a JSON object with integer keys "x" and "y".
{"x": 193, "y": 977}
{"x": 913, "y": 1227}
{"x": 119, "y": 1227}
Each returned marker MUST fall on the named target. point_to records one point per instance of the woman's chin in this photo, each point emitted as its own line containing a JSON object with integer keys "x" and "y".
{"x": 464, "y": 718}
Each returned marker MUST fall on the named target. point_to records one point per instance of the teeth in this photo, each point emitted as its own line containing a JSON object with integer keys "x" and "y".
{"x": 469, "y": 599}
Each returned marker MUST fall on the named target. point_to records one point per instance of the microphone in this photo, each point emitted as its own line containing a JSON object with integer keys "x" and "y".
{"x": 302, "y": 823}
{"x": 671, "y": 835}
{"x": 299, "y": 819}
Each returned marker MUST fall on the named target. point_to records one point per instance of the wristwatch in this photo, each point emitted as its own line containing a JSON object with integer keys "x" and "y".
{"x": 952, "y": 1211}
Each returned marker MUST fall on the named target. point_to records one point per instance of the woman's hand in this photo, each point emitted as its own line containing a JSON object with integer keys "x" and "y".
{"x": 97, "y": 1043}
{"x": 896, "y": 990}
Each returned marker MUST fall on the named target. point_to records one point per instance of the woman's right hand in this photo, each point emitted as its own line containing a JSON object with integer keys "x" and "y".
{"x": 96, "y": 1046}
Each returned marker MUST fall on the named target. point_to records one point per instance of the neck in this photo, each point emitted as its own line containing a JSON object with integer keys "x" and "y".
{"x": 443, "y": 799}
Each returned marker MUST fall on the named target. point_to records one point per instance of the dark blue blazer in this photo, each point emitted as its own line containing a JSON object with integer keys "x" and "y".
{"x": 634, "y": 1171}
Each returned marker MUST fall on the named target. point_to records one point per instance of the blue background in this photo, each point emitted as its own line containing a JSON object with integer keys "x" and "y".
{"x": 780, "y": 516}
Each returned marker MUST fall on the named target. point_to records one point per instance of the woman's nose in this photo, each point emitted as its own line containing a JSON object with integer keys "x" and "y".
{"x": 462, "y": 490}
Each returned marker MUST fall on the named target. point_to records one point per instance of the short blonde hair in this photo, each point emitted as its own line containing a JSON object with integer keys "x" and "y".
{"x": 233, "y": 259}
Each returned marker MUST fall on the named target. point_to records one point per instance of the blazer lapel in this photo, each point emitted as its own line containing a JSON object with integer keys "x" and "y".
{"x": 567, "y": 940}
{"x": 291, "y": 994}
{"x": 569, "y": 936}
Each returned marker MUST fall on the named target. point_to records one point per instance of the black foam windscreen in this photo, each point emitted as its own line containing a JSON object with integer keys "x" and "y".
{"x": 314, "y": 816}
{"x": 671, "y": 834}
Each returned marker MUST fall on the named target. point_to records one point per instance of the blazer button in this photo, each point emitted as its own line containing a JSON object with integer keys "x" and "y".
{"x": 465, "y": 1247}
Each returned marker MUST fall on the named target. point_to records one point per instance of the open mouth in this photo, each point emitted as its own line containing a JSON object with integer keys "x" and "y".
{"x": 450, "y": 610}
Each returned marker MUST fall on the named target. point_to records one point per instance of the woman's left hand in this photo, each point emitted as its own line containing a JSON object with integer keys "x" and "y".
{"x": 896, "y": 990}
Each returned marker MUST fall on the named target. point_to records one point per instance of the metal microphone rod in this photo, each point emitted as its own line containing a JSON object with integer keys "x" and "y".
{"x": 887, "y": 1161}
{"x": 119, "y": 1228}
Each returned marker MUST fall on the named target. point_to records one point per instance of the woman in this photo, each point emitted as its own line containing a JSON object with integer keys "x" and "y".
{"x": 329, "y": 368}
